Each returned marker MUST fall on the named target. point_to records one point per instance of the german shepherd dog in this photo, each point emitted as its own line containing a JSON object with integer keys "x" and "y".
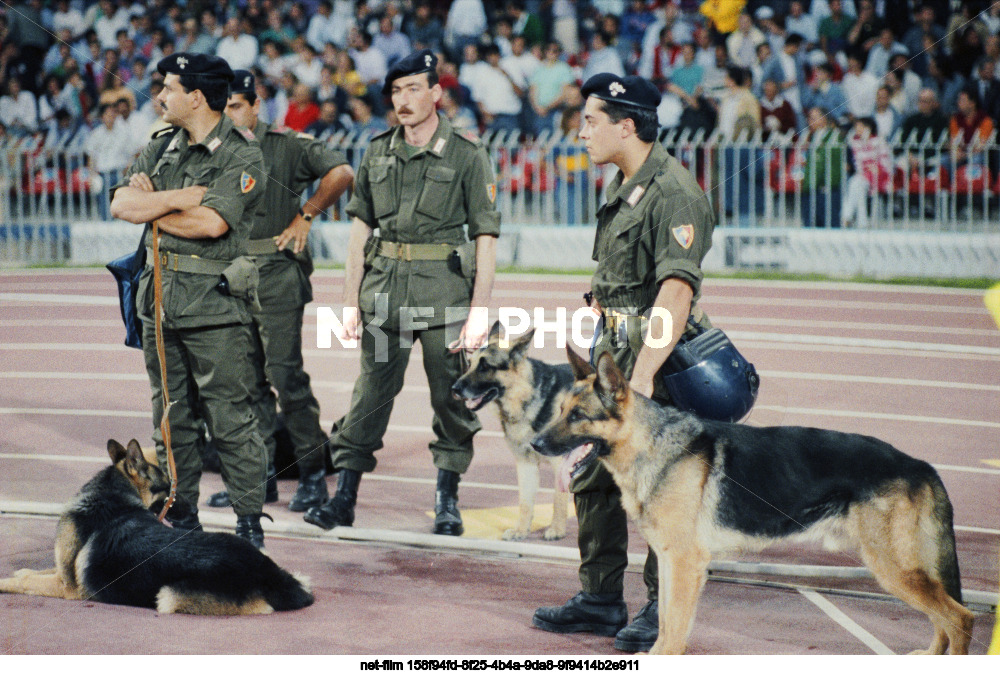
{"x": 695, "y": 487}
{"x": 527, "y": 393}
{"x": 111, "y": 548}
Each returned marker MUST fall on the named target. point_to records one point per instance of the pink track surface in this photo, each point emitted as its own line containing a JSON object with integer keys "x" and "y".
{"x": 919, "y": 368}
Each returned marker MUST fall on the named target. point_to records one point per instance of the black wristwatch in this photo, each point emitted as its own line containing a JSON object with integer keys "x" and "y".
{"x": 306, "y": 216}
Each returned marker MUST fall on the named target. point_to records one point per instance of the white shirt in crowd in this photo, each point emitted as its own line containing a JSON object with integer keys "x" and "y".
{"x": 860, "y": 92}
{"x": 466, "y": 18}
{"x": 370, "y": 64}
{"x": 520, "y": 68}
{"x": 240, "y": 52}
{"x": 107, "y": 26}
{"x": 109, "y": 149}
{"x": 495, "y": 93}
{"x": 21, "y": 111}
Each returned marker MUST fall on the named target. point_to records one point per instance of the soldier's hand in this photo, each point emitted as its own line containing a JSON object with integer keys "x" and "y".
{"x": 141, "y": 181}
{"x": 474, "y": 332}
{"x": 297, "y": 233}
{"x": 352, "y": 324}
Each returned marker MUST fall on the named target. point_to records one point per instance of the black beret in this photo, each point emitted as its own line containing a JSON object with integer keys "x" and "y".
{"x": 243, "y": 83}
{"x": 423, "y": 61}
{"x": 631, "y": 90}
{"x": 185, "y": 63}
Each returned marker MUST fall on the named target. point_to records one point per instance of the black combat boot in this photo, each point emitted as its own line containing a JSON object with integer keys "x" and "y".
{"x": 248, "y": 527}
{"x": 185, "y": 520}
{"x": 339, "y": 510}
{"x": 310, "y": 492}
{"x": 220, "y": 499}
{"x": 447, "y": 520}
{"x": 602, "y": 614}
{"x": 643, "y": 632}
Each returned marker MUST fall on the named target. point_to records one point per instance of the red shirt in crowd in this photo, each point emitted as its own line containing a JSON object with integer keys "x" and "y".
{"x": 299, "y": 117}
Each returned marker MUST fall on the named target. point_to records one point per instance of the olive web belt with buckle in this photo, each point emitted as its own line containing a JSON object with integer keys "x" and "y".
{"x": 261, "y": 246}
{"x": 415, "y": 251}
{"x": 192, "y": 264}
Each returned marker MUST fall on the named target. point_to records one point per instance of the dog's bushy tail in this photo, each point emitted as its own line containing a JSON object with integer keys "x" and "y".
{"x": 947, "y": 558}
{"x": 287, "y": 592}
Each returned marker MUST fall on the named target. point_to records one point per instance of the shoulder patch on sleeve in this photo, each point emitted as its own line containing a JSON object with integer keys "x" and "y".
{"x": 246, "y": 182}
{"x": 469, "y": 136}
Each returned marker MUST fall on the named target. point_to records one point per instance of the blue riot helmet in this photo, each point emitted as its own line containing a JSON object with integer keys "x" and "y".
{"x": 707, "y": 376}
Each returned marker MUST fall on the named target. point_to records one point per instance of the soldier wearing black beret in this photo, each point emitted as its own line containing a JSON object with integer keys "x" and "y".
{"x": 202, "y": 181}
{"x": 652, "y": 235}
{"x": 423, "y": 61}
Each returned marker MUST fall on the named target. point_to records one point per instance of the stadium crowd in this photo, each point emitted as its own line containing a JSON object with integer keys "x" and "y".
{"x": 81, "y": 74}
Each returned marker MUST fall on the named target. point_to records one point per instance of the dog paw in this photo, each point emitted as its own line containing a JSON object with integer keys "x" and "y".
{"x": 514, "y": 535}
{"x": 21, "y": 573}
{"x": 551, "y": 534}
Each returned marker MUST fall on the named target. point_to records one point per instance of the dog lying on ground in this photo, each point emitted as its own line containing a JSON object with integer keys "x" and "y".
{"x": 695, "y": 487}
{"x": 111, "y": 548}
{"x": 527, "y": 393}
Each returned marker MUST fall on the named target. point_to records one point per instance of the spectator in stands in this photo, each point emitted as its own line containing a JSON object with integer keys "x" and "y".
{"x": 872, "y": 163}
{"x": 346, "y": 76}
{"x": 110, "y": 19}
{"x": 498, "y": 98}
{"x": 923, "y": 26}
{"x": 945, "y": 82}
{"x": 392, "y": 43}
{"x": 465, "y": 24}
{"x": 110, "y": 151}
{"x": 328, "y": 123}
{"x": 366, "y": 123}
{"x": 321, "y": 26}
{"x": 723, "y": 15}
{"x": 900, "y": 64}
{"x": 302, "y": 109}
{"x": 271, "y": 61}
{"x": 686, "y": 78}
{"x": 967, "y": 51}
{"x": 424, "y": 29}
{"x": 799, "y": 23}
{"x": 370, "y": 63}
{"x": 867, "y": 32}
{"x": 969, "y": 128}
{"x": 304, "y": 64}
{"x": 762, "y": 61}
{"x": 133, "y": 126}
{"x": 860, "y": 86}
{"x": 547, "y": 87}
{"x": 887, "y": 118}
{"x": 68, "y": 18}
{"x": 833, "y": 29}
{"x": 48, "y": 101}
{"x": 65, "y": 133}
{"x": 525, "y": 24}
{"x": 776, "y": 114}
{"x": 666, "y": 55}
{"x": 987, "y": 89}
{"x": 739, "y": 121}
{"x": 460, "y": 116}
{"x": 113, "y": 89}
{"x": 827, "y": 95}
{"x": 897, "y": 95}
{"x": 18, "y": 109}
{"x": 141, "y": 80}
{"x": 194, "y": 39}
{"x": 634, "y": 22}
{"x": 742, "y": 43}
{"x": 603, "y": 58}
{"x": 823, "y": 171}
{"x": 572, "y": 179}
{"x": 928, "y": 119}
{"x": 237, "y": 47}
{"x": 277, "y": 31}
{"x": 882, "y": 51}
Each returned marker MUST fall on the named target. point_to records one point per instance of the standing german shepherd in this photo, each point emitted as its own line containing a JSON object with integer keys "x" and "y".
{"x": 696, "y": 487}
{"x": 527, "y": 391}
{"x": 111, "y": 548}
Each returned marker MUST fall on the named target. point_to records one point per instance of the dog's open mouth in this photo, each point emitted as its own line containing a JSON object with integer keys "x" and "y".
{"x": 575, "y": 462}
{"x": 478, "y": 402}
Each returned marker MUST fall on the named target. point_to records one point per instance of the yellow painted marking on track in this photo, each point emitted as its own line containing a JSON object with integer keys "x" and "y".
{"x": 490, "y": 523}
{"x": 992, "y": 300}
{"x": 992, "y": 462}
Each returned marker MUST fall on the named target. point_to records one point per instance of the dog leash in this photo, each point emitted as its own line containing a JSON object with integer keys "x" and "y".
{"x": 161, "y": 353}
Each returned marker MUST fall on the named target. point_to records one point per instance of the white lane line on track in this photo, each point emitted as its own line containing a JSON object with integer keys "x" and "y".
{"x": 839, "y": 617}
{"x": 349, "y": 385}
{"x": 45, "y": 298}
{"x": 328, "y": 422}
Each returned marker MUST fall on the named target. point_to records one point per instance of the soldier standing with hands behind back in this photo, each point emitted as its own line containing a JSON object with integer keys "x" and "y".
{"x": 203, "y": 184}
{"x": 420, "y": 183}
{"x": 278, "y": 241}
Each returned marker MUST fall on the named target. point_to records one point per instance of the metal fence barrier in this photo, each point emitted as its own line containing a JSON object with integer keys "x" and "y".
{"x": 920, "y": 185}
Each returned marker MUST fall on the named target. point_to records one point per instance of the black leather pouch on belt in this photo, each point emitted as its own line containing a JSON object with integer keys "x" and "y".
{"x": 240, "y": 279}
{"x": 463, "y": 259}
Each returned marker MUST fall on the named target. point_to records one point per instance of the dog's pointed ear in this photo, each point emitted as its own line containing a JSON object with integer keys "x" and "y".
{"x": 134, "y": 459}
{"x": 494, "y": 334}
{"x": 521, "y": 344}
{"x": 115, "y": 451}
{"x": 611, "y": 385}
{"x": 581, "y": 368}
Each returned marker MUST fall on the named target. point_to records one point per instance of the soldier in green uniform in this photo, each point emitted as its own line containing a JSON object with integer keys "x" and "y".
{"x": 652, "y": 234}
{"x": 202, "y": 181}
{"x": 420, "y": 184}
{"x": 294, "y": 161}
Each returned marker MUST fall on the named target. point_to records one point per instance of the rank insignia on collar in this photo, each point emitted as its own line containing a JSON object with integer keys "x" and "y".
{"x": 684, "y": 235}
{"x": 438, "y": 146}
{"x": 637, "y": 193}
{"x": 214, "y": 144}
{"x": 246, "y": 182}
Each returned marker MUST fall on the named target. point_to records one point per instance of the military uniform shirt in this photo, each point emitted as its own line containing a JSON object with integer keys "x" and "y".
{"x": 293, "y": 161}
{"x": 656, "y": 226}
{"x": 231, "y": 166}
{"x": 427, "y": 196}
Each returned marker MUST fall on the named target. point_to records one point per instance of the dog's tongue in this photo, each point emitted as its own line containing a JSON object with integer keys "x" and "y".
{"x": 471, "y": 404}
{"x": 569, "y": 463}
